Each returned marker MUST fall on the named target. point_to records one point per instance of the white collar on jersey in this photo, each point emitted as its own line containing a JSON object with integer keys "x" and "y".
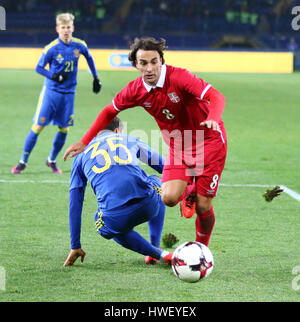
{"x": 161, "y": 79}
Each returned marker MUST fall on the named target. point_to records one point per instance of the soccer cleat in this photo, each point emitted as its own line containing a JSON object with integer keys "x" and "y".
{"x": 55, "y": 169}
{"x": 168, "y": 258}
{"x": 188, "y": 206}
{"x": 150, "y": 260}
{"x": 18, "y": 168}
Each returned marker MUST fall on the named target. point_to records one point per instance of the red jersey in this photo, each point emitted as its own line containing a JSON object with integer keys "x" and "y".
{"x": 177, "y": 102}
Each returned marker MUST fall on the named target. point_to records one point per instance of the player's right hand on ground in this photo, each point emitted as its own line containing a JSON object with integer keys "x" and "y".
{"x": 73, "y": 255}
{"x": 76, "y": 148}
{"x": 60, "y": 77}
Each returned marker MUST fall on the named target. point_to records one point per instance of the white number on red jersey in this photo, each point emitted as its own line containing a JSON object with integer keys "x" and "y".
{"x": 168, "y": 114}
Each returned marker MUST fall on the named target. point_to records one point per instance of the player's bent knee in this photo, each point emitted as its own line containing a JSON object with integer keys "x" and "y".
{"x": 37, "y": 128}
{"x": 169, "y": 199}
{"x": 172, "y": 191}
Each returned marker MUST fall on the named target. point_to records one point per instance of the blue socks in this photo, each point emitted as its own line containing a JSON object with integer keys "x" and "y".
{"x": 58, "y": 143}
{"x": 31, "y": 140}
{"x": 155, "y": 226}
{"x": 29, "y": 144}
{"x": 135, "y": 242}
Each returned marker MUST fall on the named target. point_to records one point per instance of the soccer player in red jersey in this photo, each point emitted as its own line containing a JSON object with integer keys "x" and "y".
{"x": 188, "y": 112}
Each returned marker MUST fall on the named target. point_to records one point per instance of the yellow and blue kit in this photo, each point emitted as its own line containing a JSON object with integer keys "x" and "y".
{"x": 56, "y": 101}
{"x": 126, "y": 195}
{"x": 63, "y": 57}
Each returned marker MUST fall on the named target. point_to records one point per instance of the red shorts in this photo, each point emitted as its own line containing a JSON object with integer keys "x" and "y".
{"x": 207, "y": 173}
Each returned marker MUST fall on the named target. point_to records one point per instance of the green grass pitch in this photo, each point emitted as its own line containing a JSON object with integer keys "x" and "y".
{"x": 255, "y": 244}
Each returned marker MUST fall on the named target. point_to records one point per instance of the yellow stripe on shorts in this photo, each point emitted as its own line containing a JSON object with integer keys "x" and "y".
{"x": 157, "y": 189}
{"x": 40, "y": 102}
{"x": 99, "y": 222}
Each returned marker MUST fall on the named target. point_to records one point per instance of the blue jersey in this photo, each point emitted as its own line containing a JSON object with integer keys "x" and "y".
{"x": 111, "y": 164}
{"x": 63, "y": 57}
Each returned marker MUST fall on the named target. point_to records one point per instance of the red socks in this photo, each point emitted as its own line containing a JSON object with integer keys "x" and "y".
{"x": 204, "y": 225}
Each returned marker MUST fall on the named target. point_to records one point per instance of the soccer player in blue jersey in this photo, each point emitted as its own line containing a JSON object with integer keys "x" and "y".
{"x": 56, "y": 101}
{"x": 126, "y": 196}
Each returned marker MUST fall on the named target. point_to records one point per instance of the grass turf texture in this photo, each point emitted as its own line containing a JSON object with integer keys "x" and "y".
{"x": 255, "y": 244}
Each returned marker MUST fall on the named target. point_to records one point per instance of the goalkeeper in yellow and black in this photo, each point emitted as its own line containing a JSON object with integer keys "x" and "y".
{"x": 56, "y": 101}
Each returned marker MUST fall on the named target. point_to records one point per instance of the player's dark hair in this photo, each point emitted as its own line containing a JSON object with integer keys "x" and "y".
{"x": 147, "y": 43}
{"x": 114, "y": 124}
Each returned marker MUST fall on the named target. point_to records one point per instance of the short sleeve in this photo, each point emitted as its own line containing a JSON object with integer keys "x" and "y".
{"x": 192, "y": 84}
{"x": 125, "y": 99}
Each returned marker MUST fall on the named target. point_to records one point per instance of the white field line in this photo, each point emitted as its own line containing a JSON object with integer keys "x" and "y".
{"x": 246, "y": 185}
{"x": 33, "y": 181}
{"x": 287, "y": 190}
{"x": 291, "y": 193}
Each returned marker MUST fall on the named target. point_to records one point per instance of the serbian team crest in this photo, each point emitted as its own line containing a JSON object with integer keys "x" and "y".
{"x": 76, "y": 53}
{"x": 174, "y": 97}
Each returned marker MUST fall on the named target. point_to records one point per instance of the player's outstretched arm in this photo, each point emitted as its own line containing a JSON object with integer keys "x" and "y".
{"x": 96, "y": 81}
{"x": 102, "y": 120}
{"x": 73, "y": 255}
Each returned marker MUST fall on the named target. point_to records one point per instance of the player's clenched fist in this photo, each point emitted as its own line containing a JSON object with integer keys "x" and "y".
{"x": 73, "y": 255}
{"x": 211, "y": 124}
{"x": 60, "y": 77}
{"x": 96, "y": 85}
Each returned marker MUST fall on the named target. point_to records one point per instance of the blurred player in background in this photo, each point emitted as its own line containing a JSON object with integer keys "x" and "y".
{"x": 126, "y": 196}
{"x": 56, "y": 101}
{"x": 184, "y": 107}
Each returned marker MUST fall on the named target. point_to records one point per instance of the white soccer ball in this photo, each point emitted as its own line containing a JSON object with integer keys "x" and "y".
{"x": 192, "y": 261}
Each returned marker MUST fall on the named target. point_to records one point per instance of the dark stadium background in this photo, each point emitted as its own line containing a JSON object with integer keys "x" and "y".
{"x": 186, "y": 24}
